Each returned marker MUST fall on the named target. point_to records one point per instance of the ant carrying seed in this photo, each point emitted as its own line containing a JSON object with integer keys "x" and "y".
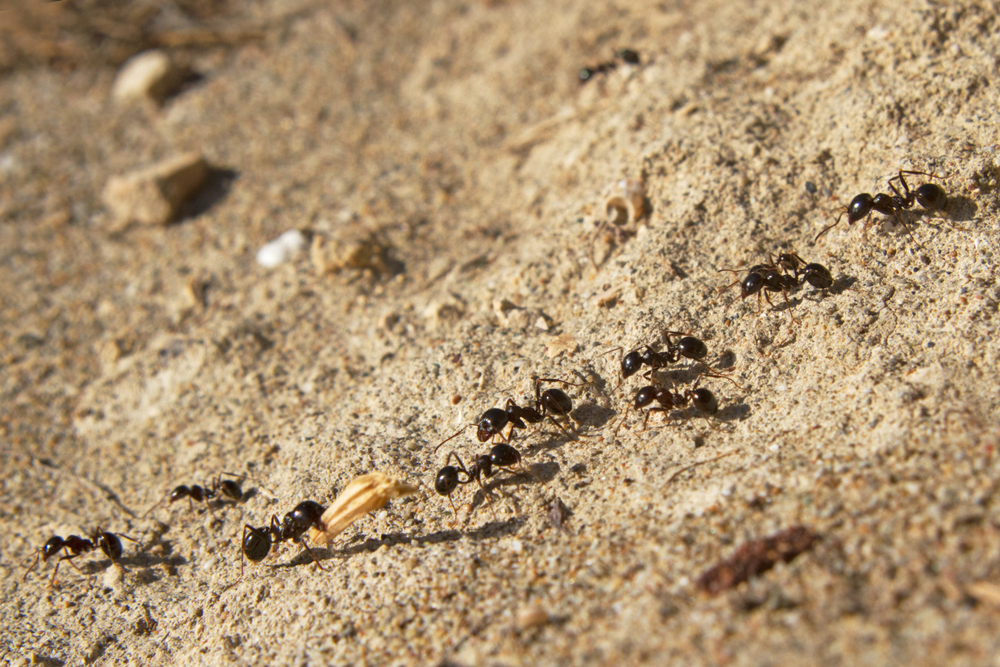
{"x": 217, "y": 488}
{"x": 687, "y": 347}
{"x": 74, "y": 546}
{"x": 256, "y": 542}
{"x": 702, "y": 399}
{"x": 929, "y": 195}
{"x": 501, "y": 456}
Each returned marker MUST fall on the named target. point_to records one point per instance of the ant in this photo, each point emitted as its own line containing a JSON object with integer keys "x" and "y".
{"x": 75, "y": 546}
{"x": 702, "y": 399}
{"x": 929, "y": 195}
{"x": 629, "y": 56}
{"x": 687, "y": 347}
{"x": 501, "y": 456}
{"x": 783, "y": 274}
{"x": 552, "y": 401}
{"x": 217, "y": 488}
{"x": 256, "y": 542}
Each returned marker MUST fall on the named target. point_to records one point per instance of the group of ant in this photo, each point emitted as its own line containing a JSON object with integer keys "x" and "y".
{"x": 255, "y": 544}
{"x": 784, "y": 273}
{"x": 553, "y": 403}
{"x": 789, "y": 271}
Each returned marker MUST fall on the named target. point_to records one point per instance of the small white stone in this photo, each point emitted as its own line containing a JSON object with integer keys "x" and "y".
{"x": 149, "y": 75}
{"x": 282, "y": 249}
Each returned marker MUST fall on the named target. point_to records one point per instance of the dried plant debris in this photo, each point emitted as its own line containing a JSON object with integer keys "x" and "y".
{"x": 756, "y": 557}
{"x": 557, "y": 514}
{"x": 363, "y": 494}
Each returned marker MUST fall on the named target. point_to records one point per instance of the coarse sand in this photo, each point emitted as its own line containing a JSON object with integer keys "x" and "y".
{"x": 451, "y": 177}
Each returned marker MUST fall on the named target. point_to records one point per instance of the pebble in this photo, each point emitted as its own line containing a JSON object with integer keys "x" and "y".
{"x": 532, "y": 617}
{"x": 154, "y": 196}
{"x": 149, "y": 75}
{"x": 282, "y": 249}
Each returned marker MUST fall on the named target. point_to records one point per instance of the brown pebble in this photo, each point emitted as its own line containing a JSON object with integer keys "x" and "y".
{"x": 756, "y": 557}
{"x": 456, "y": 399}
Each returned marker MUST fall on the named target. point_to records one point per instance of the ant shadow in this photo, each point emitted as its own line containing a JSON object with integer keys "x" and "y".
{"x": 144, "y": 562}
{"x": 218, "y": 183}
{"x": 490, "y": 530}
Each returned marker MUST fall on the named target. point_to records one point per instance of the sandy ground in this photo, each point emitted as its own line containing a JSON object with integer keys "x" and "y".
{"x": 454, "y": 141}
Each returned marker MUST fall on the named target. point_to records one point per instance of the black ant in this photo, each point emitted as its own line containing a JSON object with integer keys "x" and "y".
{"x": 702, "y": 399}
{"x": 217, "y": 488}
{"x": 552, "y": 401}
{"x": 502, "y": 456}
{"x": 783, "y": 274}
{"x": 688, "y": 347}
{"x": 629, "y": 56}
{"x": 256, "y": 542}
{"x": 75, "y": 546}
{"x": 929, "y": 195}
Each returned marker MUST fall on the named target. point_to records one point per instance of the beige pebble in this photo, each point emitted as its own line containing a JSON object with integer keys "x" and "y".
{"x": 154, "y": 196}
{"x": 149, "y": 75}
{"x": 532, "y": 617}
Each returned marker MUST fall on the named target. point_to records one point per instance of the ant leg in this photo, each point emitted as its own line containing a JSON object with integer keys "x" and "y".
{"x": 624, "y": 417}
{"x": 451, "y": 437}
{"x": 828, "y": 228}
{"x": 158, "y": 503}
{"x": 55, "y": 571}
{"x": 311, "y": 553}
{"x": 486, "y": 495}
{"x": 38, "y": 555}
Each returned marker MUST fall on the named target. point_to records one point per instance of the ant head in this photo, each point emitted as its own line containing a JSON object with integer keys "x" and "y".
{"x": 52, "y": 547}
{"x": 631, "y": 363}
{"x": 491, "y": 423}
{"x": 644, "y": 397}
{"x": 753, "y": 283}
{"x": 182, "y": 491}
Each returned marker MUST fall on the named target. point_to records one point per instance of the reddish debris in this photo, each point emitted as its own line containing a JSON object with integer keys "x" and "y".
{"x": 756, "y": 557}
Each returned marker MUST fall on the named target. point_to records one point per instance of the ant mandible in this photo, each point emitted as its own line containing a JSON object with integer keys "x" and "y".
{"x": 74, "y": 546}
{"x": 501, "y": 456}
{"x": 256, "y": 542}
{"x": 930, "y": 196}
{"x": 702, "y": 399}
{"x": 217, "y": 488}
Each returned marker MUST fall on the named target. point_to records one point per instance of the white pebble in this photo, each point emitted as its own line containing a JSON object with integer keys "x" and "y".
{"x": 148, "y": 75}
{"x": 281, "y": 249}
